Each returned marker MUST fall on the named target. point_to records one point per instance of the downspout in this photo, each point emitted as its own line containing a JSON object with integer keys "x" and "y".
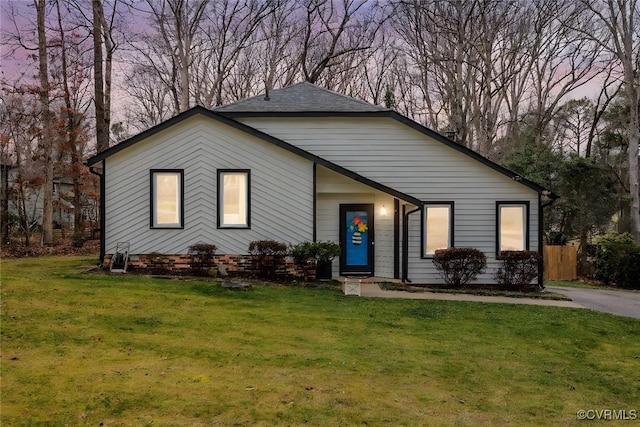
{"x": 315, "y": 196}
{"x": 102, "y": 210}
{"x": 396, "y": 238}
{"x": 405, "y": 242}
{"x": 552, "y": 198}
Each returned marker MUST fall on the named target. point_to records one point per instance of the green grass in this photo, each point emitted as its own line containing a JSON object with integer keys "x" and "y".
{"x": 85, "y": 349}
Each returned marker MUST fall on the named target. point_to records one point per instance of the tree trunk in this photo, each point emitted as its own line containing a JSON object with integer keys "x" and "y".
{"x": 634, "y": 133}
{"x": 47, "y": 135}
{"x": 4, "y": 216}
{"x": 102, "y": 131}
{"x": 623, "y": 38}
{"x": 634, "y": 136}
{"x": 108, "y": 66}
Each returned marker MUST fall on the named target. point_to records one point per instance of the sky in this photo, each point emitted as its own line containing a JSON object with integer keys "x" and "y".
{"x": 15, "y": 62}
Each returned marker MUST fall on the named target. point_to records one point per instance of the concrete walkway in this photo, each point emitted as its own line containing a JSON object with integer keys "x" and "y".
{"x": 373, "y": 290}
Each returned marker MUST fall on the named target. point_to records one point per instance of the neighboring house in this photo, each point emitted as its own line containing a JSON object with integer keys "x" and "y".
{"x": 22, "y": 201}
{"x": 308, "y": 164}
{"x": 5, "y": 167}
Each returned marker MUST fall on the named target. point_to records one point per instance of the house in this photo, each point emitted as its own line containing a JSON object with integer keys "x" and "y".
{"x": 307, "y": 164}
{"x": 23, "y": 200}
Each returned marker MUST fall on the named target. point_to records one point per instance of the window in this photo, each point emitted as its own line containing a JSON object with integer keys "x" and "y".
{"x": 512, "y": 227}
{"x": 437, "y": 227}
{"x": 166, "y": 198}
{"x": 233, "y": 199}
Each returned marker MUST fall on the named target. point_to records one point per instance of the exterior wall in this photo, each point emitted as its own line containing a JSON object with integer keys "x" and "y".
{"x": 281, "y": 189}
{"x": 333, "y": 190}
{"x": 393, "y": 154}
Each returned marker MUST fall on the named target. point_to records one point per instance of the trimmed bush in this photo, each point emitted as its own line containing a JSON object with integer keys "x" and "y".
{"x": 459, "y": 266}
{"x": 302, "y": 253}
{"x": 202, "y": 255}
{"x": 304, "y": 256}
{"x": 267, "y": 256}
{"x": 315, "y": 256}
{"x": 319, "y": 251}
{"x": 518, "y": 269}
{"x": 618, "y": 260}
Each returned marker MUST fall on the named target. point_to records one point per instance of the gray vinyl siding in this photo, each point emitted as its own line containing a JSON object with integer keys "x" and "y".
{"x": 333, "y": 190}
{"x": 281, "y": 189}
{"x": 393, "y": 154}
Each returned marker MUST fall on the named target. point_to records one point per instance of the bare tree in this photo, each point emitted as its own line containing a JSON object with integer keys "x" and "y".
{"x": 617, "y": 31}
{"x": 74, "y": 77}
{"x": 46, "y": 122}
{"x": 100, "y": 23}
{"x": 333, "y": 29}
{"x": 20, "y": 135}
{"x": 231, "y": 28}
{"x": 102, "y": 126}
{"x": 151, "y": 99}
{"x": 278, "y": 31}
{"x": 481, "y": 61}
{"x": 439, "y": 38}
{"x": 167, "y": 50}
{"x": 563, "y": 60}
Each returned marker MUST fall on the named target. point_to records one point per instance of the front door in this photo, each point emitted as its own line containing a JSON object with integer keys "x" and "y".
{"x": 356, "y": 239}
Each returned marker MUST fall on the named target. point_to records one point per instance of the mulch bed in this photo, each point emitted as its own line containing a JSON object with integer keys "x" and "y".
{"x": 63, "y": 247}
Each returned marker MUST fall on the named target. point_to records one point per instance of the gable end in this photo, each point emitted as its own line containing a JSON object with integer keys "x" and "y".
{"x": 252, "y": 131}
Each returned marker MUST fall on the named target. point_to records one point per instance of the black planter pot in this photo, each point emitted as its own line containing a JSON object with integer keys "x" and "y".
{"x": 323, "y": 270}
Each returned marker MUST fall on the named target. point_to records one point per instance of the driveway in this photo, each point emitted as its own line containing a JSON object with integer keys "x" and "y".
{"x": 622, "y": 303}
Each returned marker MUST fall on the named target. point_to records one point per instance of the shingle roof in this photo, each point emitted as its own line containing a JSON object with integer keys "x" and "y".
{"x": 301, "y": 97}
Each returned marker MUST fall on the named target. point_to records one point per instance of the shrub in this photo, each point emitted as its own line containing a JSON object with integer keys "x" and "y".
{"x": 459, "y": 266}
{"x": 327, "y": 251}
{"x": 302, "y": 253}
{"x": 315, "y": 256}
{"x": 267, "y": 256}
{"x": 618, "y": 260}
{"x": 202, "y": 255}
{"x": 518, "y": 269}
{"x": 318, "y": 251}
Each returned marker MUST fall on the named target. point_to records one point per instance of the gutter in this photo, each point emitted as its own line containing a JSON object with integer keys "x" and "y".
{"x": 551, "y": 198}
{"x": 102, "y": 210}
{"x": 405, "y": 242}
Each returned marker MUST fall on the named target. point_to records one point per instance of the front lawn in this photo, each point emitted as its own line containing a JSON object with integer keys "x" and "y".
{"x": 85, "y": 349}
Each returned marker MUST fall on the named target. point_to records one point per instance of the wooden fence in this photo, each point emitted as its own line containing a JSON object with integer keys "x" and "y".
{"x": 560, "y": 262}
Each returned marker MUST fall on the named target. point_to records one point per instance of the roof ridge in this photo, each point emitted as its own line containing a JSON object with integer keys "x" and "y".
{"x": 333, "y": 92}
{"x": 301, "y": 97}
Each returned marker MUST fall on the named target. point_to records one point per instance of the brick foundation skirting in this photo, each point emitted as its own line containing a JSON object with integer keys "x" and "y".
{"x": 234, "y": 264}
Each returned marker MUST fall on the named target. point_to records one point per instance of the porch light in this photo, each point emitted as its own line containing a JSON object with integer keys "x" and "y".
{"x": 383, "y": 211}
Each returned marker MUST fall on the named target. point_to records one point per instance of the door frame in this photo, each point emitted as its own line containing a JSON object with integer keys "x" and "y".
{"x": 369, "y": 269}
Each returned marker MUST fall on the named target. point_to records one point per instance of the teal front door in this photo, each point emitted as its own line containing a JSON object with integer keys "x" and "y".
{"x": 356, "y": 239}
